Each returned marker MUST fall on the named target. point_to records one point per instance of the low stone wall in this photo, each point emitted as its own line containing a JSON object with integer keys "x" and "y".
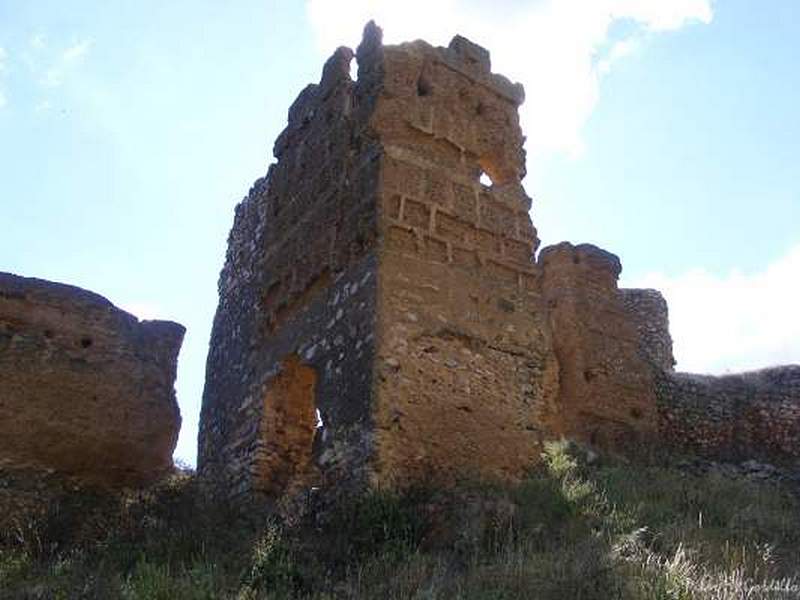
{"x": 86, "y": 389}
{"x": 753, "y": 415}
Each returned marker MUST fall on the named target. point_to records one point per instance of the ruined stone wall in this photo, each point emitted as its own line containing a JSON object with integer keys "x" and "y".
{"x": 373, "y": 237}
{"x": 753, "y": 415}
{"x": 466, "y": 375}
{"x": 297, "y": 293}
{"x": 648, "y": 311}
{"x": 738, "y": 417}
{"x": 607, "y": 393}
{"x": 382, "y": 320}
{"x": 86, "y": 390}
{"x": 743, "y": 416}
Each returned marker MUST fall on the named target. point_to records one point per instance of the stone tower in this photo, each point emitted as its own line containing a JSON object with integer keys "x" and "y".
{"x": 381, "y": 318}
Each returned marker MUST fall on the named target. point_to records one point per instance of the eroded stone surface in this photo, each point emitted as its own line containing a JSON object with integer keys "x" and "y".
{"x": 86, "y": 390}
{"x": 300, "y": 281}
{"x": 648, "y": 311}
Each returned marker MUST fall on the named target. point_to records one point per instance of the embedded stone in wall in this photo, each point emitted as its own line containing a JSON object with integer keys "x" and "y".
{"x": 86, "y": 390}
{"x": 607, "y": 391}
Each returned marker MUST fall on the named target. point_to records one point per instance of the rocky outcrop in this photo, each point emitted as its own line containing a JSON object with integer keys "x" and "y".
{"x": 86, "y": 389}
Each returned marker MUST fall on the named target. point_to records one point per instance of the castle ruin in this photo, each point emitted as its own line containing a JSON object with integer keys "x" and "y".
{"x": 383, "y": 319}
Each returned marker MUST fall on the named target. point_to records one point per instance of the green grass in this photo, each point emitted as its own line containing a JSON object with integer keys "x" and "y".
{"x": 568, "y": 531}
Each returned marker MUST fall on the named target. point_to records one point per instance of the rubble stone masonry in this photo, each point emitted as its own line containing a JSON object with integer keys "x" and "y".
{"x": 738, "y": 417}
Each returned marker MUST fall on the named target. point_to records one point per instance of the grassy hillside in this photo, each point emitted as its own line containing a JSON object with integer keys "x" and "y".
{"x": 570, "y": 530}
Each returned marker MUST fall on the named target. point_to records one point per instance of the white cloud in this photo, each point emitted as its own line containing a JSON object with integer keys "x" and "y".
{"x": 43, "y": 107}
{"x": 664, "y": 15}
{"x": 559, "y": 49}
{"x": 76, "y": 51}
{"x": 38, "y": 41}
{"x": 67, "y": 60}
{"x": 737, "y": 321}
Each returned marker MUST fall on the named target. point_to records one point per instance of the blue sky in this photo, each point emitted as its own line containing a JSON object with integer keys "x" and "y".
{"x": 667, "y": 131}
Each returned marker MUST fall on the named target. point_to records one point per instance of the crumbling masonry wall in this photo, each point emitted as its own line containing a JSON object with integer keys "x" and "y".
{"x": 86, "y": 389}
{"x": 373, "y": 259}
{"x": 647, "y": 311}
{"x": 466, "y": 378}
{"x": 606, "y": 393}
{"x": 744, "y": 416}
{"x": 298, "y": 292}
{"x": 737, "y": 417}
{"x": 372, "y": 255}
{"x": 382, "y": 320}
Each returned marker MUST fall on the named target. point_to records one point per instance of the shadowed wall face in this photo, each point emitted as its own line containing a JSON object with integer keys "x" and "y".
{"x": 743, "y": 416}
{"x": 297, "y": 295}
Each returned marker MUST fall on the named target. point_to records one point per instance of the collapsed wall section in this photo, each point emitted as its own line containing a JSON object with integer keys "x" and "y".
{"x": 287, "y": 376}
{"x": 86, "y": 389}
{"x": 465, "y": 376}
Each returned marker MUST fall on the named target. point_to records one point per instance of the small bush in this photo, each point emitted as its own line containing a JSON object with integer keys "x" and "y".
{"x": 157, "y": 581}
